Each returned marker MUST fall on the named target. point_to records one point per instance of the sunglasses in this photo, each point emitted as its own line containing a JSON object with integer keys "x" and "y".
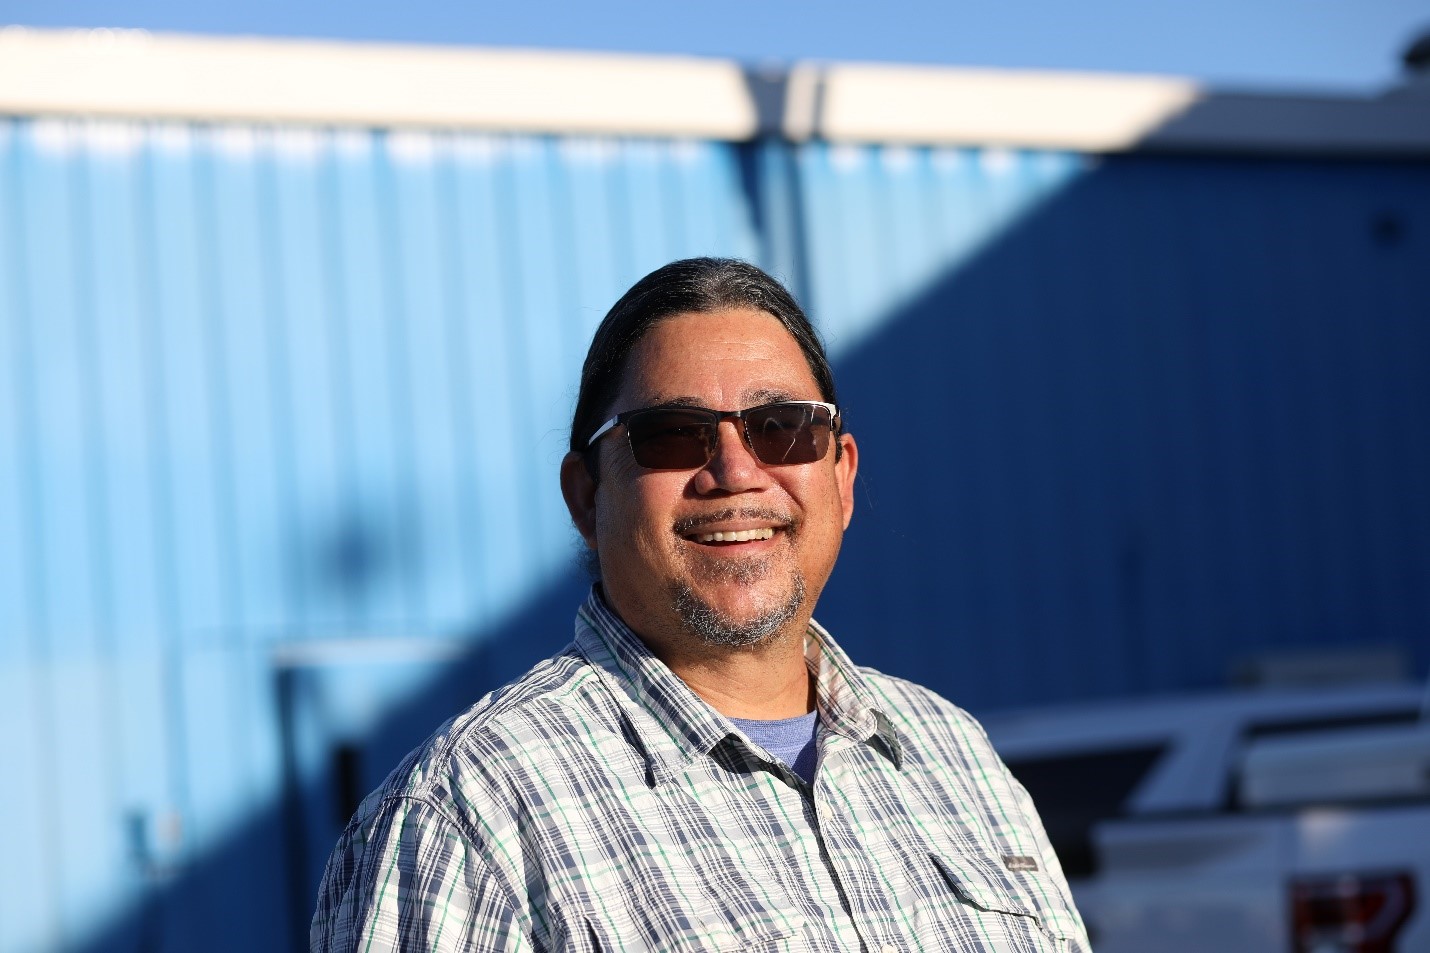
{"x": 686, "y": 438}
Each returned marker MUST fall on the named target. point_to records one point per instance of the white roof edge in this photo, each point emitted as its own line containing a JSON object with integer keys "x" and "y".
{"x": 132, "y": 74}
{"x": 1082, "y": 111}
{"x": 1092, "y": 112}
{"x": 121, "y": 73}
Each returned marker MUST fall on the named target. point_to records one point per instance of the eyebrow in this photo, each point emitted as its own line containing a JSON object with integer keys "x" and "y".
{"x": 752, "y": 399}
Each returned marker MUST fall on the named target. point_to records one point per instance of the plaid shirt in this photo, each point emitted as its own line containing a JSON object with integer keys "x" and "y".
{"x": 598, "y": 804}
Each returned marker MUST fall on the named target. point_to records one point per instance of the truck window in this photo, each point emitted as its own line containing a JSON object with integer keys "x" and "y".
{"x": 1364, "y": 719}
{"x": 1287, "y": 727}
{"x": 1075, "y": 791}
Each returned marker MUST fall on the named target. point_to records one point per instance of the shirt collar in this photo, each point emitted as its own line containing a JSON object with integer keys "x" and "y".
{"x": 845, "y": 698}
{"x": 676, "y": 726}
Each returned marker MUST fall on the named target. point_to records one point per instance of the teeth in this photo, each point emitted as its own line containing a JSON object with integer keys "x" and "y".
{"x": 743, "y": 536}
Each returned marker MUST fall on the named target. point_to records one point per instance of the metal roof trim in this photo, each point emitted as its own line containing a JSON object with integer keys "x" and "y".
{"x": 133, "y": 74}
{"x": 1083, "y": 111}
{"x": 1091, "y": 112}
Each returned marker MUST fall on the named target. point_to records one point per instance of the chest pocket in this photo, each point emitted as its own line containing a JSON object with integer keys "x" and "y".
{"x": 684, "y": 934}
{"x": 680, "y": 912}
{"x": 1031, "y": 896}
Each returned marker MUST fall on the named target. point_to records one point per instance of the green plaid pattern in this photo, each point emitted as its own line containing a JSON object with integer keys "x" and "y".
{"x": 597, "y": 804}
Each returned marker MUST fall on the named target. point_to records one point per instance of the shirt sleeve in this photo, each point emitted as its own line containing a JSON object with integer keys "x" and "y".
{"x": 408, "y": 879}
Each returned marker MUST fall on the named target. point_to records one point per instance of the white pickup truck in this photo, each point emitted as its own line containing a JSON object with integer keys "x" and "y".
{"x": 1247, "y": 822}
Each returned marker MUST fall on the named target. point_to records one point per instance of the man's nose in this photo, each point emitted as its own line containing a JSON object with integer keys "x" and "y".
{"x": 733, "y": 468}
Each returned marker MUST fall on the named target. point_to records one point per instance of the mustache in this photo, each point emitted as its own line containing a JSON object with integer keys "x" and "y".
{"x": 689, "y": 524}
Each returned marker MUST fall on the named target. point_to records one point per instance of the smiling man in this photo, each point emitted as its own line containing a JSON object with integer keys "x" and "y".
{"x": 702, "y": 768}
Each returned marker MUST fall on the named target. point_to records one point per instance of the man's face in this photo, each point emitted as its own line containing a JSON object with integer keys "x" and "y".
{"x": 660, "y": 569}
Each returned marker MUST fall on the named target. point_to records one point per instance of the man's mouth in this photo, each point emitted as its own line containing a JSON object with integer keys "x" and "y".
{"x": 732, "y": 527}
{"x": 734, "y": 536}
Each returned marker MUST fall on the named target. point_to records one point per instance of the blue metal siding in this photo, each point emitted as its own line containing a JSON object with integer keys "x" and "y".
{"x": 1121, "y": 420}
{"x": 266, "y": 386}
{"x": 1168, "y": 413}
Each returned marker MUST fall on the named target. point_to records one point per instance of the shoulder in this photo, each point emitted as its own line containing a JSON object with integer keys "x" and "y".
{"x": 922, "y": 714}
{"x": 481, "y": 761}
{"x": 450, "y": 814}
{"x": 944, "y": 744}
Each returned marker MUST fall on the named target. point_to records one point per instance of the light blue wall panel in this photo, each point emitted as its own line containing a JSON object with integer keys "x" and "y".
{"x": 16, "y": 419}
{"x": 69, "y": 627}
{"x": 121, "y": 345}
{"x": 589, "y": 194}
{"x": 494, "y": 530}
{"x": 267, "y": 387}
{"x": 55, "y": 375}
{"x": 303, "y": 354}
{"x": 18, "y": 891}
{"x": 247, "y": 376}
{"x": 366, "y": 523}
{"x": 89, "y": 844}
{"x": 542, "y": 357}
{"x": 422, "y": 344}
{"x": 30, "y": 891}
{"x": 185, "y": 436}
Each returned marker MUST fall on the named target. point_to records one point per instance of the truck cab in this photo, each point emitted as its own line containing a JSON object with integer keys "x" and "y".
{"x": 1273, "y": 819}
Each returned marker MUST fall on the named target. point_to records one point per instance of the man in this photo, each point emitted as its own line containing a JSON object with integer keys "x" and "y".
{"x": 703, "y": 768}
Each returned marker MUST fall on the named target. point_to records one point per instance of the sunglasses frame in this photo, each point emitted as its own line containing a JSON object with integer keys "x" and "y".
{"x": 719, "y": 416}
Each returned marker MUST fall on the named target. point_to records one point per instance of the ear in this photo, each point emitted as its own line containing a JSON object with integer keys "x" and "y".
{"x": 845, "y": 469}
{"x": 579, "y": 490}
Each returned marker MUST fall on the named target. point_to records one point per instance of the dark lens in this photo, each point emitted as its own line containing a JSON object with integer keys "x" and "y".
{"x": 789, "y": 433}
{"x": 671, "y": 439}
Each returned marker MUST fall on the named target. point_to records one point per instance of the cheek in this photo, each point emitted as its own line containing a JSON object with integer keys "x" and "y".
{"x": 634, "y": 523}
{"x": 824, "y": 521}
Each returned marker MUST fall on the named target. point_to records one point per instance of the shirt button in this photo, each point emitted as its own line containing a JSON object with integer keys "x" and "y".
{"x": 888, "y": 948}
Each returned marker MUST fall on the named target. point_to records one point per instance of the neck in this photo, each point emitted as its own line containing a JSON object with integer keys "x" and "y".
{"x": 766, "y": 681}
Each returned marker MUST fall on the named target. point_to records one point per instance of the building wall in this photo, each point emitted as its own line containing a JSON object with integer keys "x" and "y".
{"x": 1126, "y": 422}
{"x": 282, "y": 409}
{"x": 264, "y": 387}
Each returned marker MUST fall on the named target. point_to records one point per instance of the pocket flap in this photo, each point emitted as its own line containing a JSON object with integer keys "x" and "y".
{"x": 1027, "y": 893}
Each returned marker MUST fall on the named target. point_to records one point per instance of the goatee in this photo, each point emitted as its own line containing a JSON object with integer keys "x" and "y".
{"x": 717, "y": 629}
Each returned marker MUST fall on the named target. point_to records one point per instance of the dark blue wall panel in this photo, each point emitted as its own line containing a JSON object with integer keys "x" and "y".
{"x": 1172, "y": 414}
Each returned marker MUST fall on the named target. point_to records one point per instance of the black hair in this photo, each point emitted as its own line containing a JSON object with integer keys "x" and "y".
{"x": 691, "y": 285}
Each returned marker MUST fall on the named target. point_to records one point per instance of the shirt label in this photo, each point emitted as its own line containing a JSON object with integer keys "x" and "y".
{"x": 1019, "y": 863}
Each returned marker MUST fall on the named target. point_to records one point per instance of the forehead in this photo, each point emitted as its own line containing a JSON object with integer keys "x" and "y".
{"x": 723, "y": 359}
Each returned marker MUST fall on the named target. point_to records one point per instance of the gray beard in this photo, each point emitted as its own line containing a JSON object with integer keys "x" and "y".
{"x": 718, "y": 630}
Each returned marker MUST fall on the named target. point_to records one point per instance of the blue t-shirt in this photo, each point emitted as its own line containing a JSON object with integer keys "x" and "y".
{"x": 789, "y": 739}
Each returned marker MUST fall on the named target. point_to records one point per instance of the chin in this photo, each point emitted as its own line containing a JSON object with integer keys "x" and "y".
{"x": 739, "y": 622}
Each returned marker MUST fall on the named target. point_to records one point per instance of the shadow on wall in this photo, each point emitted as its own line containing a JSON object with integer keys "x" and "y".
{"x": 1174, "y": 413}
{"x": 255, "y": 890}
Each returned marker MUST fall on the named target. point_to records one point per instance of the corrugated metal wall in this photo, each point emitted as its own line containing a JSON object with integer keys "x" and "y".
{"x": 265, "y": 386}
{"x": 264, "y": 389}
{"x": 1125, "y": 422}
